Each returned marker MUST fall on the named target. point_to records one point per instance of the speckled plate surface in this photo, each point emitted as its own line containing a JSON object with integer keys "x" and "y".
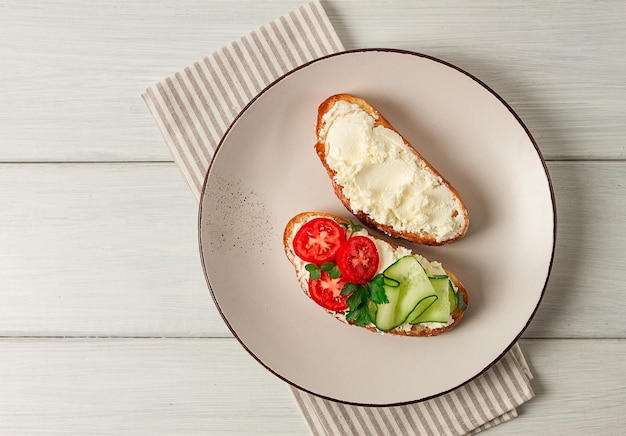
{"x": 265, "y": 171}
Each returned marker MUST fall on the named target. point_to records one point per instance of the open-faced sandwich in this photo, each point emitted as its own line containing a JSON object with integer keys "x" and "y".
{"x": 367, "y": 281}
{"x": 382, "y": 179}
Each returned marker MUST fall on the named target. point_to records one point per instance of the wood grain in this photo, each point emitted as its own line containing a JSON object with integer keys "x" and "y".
{"x": 101, "y": 249}
{"x": 211, "y": 386}
{"x": 140, "y": 386}
{"x": 106, "y": 324}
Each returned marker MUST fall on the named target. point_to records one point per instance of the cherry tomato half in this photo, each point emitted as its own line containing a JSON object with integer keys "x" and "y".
{"x": 358, "y": 259}
{"x": 326, "y": 292}
{"x": 318, "y": 240}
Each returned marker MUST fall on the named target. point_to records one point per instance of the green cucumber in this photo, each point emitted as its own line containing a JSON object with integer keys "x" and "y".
{"x": 440, "y": 310}
{"x": 406, "y": 287}
{"x": 452, "y": 296}
{"x": 421, "y": 307}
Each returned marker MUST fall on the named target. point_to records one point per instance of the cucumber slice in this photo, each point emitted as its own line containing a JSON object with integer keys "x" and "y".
{"x": 413, "y": 287}
{"x": 440, "y": 310}
{"x": 421, "y": 307}
{"x": 452, "y": 296}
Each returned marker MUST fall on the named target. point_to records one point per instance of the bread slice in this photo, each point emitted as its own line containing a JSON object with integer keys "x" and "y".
{"x": 429, "y": 329}
{"x": 382, "y": 179}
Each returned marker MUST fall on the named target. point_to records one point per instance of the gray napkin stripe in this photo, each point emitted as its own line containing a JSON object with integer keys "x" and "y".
{"x": 194, "y": 107}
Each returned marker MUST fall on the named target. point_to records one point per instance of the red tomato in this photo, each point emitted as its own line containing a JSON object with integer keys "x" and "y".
{"x": 326, "y": 292}
{"x": 318, "y": 240}
{"x": 358, "y": 259}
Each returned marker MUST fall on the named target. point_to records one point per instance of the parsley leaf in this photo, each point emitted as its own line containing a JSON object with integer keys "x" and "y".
{"x": 349, "y": 288}
{"x": 351, "y": 228}
{"x": 460, "y": 301}
{"x": 361, "y": 297}
{"x": 376, "y": 288}
{"x": 314, "y": 271}
{"x": 332, "y": 269}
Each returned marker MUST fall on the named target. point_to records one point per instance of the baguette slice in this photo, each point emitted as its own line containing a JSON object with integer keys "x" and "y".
{"x": 430, "y": 329}
{"x": 382, "y": 179}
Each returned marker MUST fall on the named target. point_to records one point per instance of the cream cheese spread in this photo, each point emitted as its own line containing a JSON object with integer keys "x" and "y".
{"x": 382, "y": 178}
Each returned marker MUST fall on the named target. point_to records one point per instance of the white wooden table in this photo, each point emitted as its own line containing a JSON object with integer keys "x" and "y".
{"x": 106, "y": 324}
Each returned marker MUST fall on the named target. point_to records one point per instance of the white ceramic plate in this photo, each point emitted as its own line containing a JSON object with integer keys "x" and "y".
{"x": 265, "y": 171}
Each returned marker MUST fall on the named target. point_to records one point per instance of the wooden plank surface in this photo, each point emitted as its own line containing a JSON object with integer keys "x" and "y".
{"x": 140, "y": 386}
{"x": 101, "y": 249}
{"x": 106, "y": 324}
{"x": 211, "y": 386}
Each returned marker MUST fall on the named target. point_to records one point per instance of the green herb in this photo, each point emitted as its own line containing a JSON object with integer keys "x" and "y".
{"x": 458, "y": 296}
{"x": 360, "y": 297}
{"x": 315, "y": 272}
{"x": 376, "y": 288}
{"x": 332, "y": 269}
{"x": 460, "y": 301}
{"x": 351, "y": 228}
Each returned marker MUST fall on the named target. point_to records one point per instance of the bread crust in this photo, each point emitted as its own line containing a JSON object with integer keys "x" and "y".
{"x": 416, "y": 330}
{"x": 380, "y": 120}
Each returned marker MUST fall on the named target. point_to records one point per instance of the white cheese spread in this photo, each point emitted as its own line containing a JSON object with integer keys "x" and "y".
{"x": 381, "y": 177}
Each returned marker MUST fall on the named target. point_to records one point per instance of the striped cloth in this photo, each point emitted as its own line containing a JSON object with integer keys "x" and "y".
{"x": 194, "y": 107}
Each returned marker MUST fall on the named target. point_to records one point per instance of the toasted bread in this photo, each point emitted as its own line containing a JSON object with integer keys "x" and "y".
{"x": 427, "y": 329}
{"x": 424, "y": 208}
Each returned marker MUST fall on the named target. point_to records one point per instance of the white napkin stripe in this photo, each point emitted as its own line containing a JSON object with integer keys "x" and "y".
{"x": 514, "y": 379}
{"x": 262, "y": 63}
{"x": 234, "y": 69}
{"x": 508, "y": 399}
{"x": 369, "y": 421}
{"x": 391, "y": 419}
{"x": 465, "y": 411}
{"x": 433, "y": 417}
{"x": 296, "y": 18}
{"x": 327, "y": 38}
{"x": 471, "y": 404}
{"x": 420, "y": 426}
{"x": 483, "y": 403}
{"x": 282, "y": 28}
{"x": 355, "y": 422}
{"x": 228, "y": 87}
{"x": 498, "y": 420}
{"x": 451, "y": 420}
{"x": 508, "y": 380}
{"x": 212, "y": 126}
{"x": 339, "y": 417}
{"x": 516, "y": 352}
{"x": 182, "y": 140}
{"x": 216, "y": 97}
{"x": 199, "y": 135}
{"x": 304, "y": 403}
{"x": 240, "y": 54}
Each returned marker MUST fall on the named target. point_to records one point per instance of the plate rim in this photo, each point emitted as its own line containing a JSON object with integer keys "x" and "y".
{"x": 400, "y": 52}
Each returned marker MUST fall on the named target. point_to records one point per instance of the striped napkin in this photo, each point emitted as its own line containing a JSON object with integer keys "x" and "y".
{"x": 194, "y": 107}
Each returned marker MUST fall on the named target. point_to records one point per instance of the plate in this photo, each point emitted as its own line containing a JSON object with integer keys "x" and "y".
{"x": 265, "y": 171}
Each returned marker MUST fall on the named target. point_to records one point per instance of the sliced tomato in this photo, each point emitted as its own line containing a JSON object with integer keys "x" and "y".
{"x": 326, "y": 292}
{"x": 358, "y": 260}
{"x": 318, "y": 240}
